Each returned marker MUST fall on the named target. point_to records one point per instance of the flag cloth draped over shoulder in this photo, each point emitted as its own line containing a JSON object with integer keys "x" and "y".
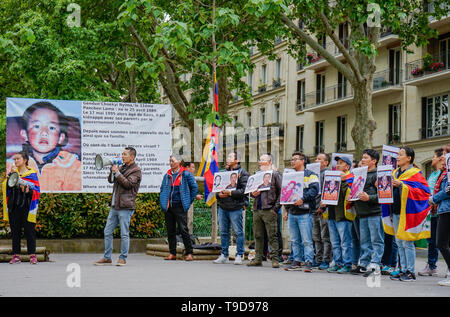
{"x": 30, "y": 176}
{"x": 210, "y": 163}
{"x": 414, "y": 196}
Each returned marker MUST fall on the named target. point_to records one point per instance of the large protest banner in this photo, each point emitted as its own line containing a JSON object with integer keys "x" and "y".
{"x": 63, "y": 137}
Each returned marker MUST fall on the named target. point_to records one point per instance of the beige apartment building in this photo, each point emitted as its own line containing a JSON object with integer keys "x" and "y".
{"x": 311, "y": 104}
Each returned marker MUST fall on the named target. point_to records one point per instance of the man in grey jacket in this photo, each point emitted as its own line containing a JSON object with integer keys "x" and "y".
{"x": 370, "y": 223}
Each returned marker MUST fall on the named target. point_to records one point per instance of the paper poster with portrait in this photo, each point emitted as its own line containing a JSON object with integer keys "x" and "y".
{"x": 291, "y": 187}
{"x": 260, "y": 181}
{"x": 334, "y": 163}
{"x": 225, "y": 181}
{"x": 389, "y": 155}
{"x": 331, "y": 187}
{"x": 359, "y": 180}
{"x": 385, "y": 189}
{"x": 315, "y": 168}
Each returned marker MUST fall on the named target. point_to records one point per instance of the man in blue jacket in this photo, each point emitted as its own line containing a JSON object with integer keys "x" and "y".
{"x": 300, "y": 215}
{"x": 178, "y": 191}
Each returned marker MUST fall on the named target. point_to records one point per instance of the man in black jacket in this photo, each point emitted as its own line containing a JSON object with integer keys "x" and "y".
{"x": 231, "y": 205}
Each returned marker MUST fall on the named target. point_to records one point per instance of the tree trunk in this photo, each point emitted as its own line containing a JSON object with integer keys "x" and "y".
{"x": 362, "y": 131}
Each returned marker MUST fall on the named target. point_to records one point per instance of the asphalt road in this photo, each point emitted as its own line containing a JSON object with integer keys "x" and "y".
{"x": 152, "y": 276}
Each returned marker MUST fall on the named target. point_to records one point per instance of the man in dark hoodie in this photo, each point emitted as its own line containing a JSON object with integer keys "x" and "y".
{"x": 370, "y": 224}
{"x": 231, "y": 205}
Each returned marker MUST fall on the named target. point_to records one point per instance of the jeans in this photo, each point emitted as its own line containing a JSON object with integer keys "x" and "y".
{"x": 300, "y": 231}
{"x": 390, "y": 255}
{"x": 115, "y": 217}
{"x": 356, "y": 247}
{"x": 341, "y": 241}
{"x": 234, "y": 218}
{"x": 321, "y": 238}
{"x": 406, "y": 249}
{"x": 433, "y": 252}
{"x": 372, "y": 240}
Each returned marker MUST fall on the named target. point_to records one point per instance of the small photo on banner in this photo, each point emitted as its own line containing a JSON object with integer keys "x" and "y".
{"x": 225, "y": 181}
{"x": 384, "y": 178}
{"x": 331, "y": 187}
{"x": 359, "y": 180}
{"x": 259, "y": 181}
{"x": 334, "y": 162}
{"x": 389, "y": 156}
{"x": 291, "y": 187}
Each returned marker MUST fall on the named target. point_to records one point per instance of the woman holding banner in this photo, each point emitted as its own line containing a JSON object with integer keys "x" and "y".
{"x": 21, "y": 207}
{"x": 408, "y": 211}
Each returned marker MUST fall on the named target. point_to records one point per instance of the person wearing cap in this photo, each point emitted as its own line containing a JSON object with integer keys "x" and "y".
{"x": 339, "y": 225}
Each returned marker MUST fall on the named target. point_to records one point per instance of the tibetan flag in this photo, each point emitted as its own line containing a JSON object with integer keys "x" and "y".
{"x": 210, "y": 163}
{"x": 414, "y": 224}
{"x": 350, "y": 212}
{"x": 29, "y": 176}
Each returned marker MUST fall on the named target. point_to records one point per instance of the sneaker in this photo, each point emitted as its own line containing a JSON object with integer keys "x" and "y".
{"x": 428, "y": 272}
{"x": 238, "y": 260}
{"x": 121, "y": 262}
{"x": 387, "y": 270}
{"x": 33, "y": 259}
{"x": 446, "y": 281}
{"x": 254, "y": 263}
{"x": 308, "y": 268}
{"x": 295, "y": 266}
{"x": 334, "y": 269}
{"x": 408, "y": 277}
{"x": 358, "y": 270}
{"x": 15, "y": 259}
{"x": 103, "y": 261}
{"x": 315, "y": 264}
{"x": 395, "y": 275}
{"x": 286, "y": 262}
{"x": 345, "y": 269}
{"x": 323, "y": 266}
{"x": 275, "y": 264}
{"x": 222, "y": 259}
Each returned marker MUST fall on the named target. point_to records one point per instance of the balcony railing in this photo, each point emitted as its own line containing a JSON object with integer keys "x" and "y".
{"x": 393, "y": 138}
{"x": 423, "y": 67}
{"x": 438, "y": 130}
{"x": 387, "y": 78}
{"x": 301, "y": 104}
{"x": 319, "y": 149}
{"x": 341, "y": 147}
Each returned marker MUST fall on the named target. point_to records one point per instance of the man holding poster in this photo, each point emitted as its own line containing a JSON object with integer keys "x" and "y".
{"x": 299, "y": 215}
{"x": 370, "y": 224}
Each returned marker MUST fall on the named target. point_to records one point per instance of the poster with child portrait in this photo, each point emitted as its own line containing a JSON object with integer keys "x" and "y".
{"x": 331, "y": 187}
{"x": 291, "y": 187}
{"x": 389, "y": 156}
{"x": 384, "y": 178}
{"x": 359, "y": 180}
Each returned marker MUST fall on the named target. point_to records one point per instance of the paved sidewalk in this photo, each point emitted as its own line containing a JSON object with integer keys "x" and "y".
{"x": 152, "y": 276}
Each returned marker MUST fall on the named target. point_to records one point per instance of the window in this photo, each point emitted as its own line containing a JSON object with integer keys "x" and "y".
{"x": 299, "y": 138}
{"x": 444, "y": 55}
{"x": 264, "y": 74}
{"x": 342, "y": 86}
{"x": 249, "y": 119}
{"x": 278, "y": 69}
{"x": 319, "y": 147}
{"x": 277, "y": 113}
{"x": 394, "y": 66}
{"x": 341, "y": 144}
{"x": 235, "y": 120}
{"x": 343, "y": 34}
{"x": 250, "y": 81}
{"x": 394, "y": 123}
{"x": 322, "y": 40}
{"x": 435, "y": 116}
{"x": 301, "y": 96}
{"x": 262, "y": 117}
{"x": 320, "y": 86}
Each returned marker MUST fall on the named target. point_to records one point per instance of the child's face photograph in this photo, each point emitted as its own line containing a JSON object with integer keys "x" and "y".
{"x": 43, "y": 131}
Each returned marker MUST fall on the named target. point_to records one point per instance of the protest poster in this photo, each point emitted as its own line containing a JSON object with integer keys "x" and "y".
{"x": 225, "y": 181}
{"x": 331, "y": 187}
{"x": 315, "y": 168}
{"x": 291, "y": 187}
{"x": 389, "y": 155}
{"x": 359, "y": 180}
{"x": 385, "y": 190}
{"x": 63, "y": 137}
{"x": 260, "y": 181}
